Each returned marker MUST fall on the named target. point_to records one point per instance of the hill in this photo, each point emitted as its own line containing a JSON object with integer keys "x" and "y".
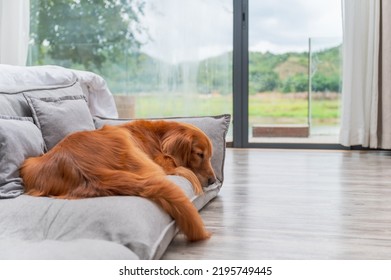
{"x": 268, "y": 72}
{"x": 288, "y": 72}
{"x": 138, "y": 73}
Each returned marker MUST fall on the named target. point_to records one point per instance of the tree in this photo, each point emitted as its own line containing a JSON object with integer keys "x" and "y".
{"x": 326, "y": 82}
{"x": 295, "y": 83}
{"x": 263, "y": 81}
{"x": 87, "y": 32}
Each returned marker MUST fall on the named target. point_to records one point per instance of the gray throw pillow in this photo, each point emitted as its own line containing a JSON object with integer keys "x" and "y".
{"x": 19, "y": 139}
{"x": 59, "y": 116}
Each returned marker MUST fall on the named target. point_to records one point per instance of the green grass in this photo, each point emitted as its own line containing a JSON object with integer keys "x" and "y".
{"x": 275, "y": 110}
{"x": 187, "y": 105}
{"x": 322, "y": 111}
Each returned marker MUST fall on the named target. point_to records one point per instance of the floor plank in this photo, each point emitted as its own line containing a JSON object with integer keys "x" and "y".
{"x": 297, "y": 204}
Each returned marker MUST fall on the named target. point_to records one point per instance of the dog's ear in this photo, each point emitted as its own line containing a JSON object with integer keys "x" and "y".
{"x": 179, "y": 146}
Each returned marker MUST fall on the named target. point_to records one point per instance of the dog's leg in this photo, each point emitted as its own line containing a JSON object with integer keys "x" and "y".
{"x": 170, "y": 168}
{"x": 189, "y": 175}
{"x": 163, "y": 192}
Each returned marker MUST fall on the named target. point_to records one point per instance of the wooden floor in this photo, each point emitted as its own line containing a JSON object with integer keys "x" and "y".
{"x": 297, "y": 204}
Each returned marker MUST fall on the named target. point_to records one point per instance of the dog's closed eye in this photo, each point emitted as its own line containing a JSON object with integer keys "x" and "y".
{"x": 201, "y": 155}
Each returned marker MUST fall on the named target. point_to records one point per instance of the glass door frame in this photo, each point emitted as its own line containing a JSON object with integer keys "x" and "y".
{"x": 240, "y": 87}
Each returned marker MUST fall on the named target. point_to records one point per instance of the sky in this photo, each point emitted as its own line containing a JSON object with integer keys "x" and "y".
{"x": 285, "y": 25}
{"x": 186, "y": 30}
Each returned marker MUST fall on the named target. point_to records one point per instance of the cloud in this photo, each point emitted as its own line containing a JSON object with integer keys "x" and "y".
{"x": 188, "y": 30}
{"x": 196, "y": 29}
{"x": 286, "y": 25}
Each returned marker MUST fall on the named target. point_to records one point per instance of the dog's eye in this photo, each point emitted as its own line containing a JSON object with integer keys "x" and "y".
{"x": 201, "y": 155}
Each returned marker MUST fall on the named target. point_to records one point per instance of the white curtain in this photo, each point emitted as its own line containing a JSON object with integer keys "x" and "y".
{"x": 361, "y": 20}
{"x": 384, "y": 124}
{"x": 14, "y": 31}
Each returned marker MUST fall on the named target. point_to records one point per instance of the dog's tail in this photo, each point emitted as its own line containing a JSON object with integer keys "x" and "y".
{"x": 162, "y": 191}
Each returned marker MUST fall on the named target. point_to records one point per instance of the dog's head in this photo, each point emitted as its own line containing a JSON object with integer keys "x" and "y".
{"x": 191, "y": 148}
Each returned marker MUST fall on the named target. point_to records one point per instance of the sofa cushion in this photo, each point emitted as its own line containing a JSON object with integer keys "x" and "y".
{"x": 59, "y": 116}
{"x": 215, "y": 127}
{"x": 15, "y": 80}
{"x": 131, "y": 221}
{"x": 19, "y": 139}
{"x": 78, "y": 249}
{"x": 14, "y": 103}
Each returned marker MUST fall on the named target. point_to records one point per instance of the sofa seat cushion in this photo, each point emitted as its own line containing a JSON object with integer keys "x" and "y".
{"x": 80, "y": 249}
{"x": 133, "y": 222}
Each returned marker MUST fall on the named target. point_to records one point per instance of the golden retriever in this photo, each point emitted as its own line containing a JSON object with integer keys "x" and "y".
{"x": 130, "y": 159}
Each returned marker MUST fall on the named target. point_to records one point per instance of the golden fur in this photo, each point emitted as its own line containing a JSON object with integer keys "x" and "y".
{"x": 131, "y": 159}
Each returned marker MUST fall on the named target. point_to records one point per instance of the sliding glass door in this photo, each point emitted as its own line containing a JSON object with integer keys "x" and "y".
{"x": 159, "y": 58}
{"x": 294, "y": 71}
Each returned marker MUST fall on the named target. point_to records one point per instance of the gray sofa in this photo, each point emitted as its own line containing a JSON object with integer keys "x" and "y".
{"x": 38, "y": 107}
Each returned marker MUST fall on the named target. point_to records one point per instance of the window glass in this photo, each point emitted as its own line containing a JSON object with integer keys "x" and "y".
{"x": 294, "y": 70}
{"x": 159, "y": 58}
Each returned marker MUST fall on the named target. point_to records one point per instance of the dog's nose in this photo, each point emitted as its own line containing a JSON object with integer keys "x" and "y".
{"x": 211, "y": 180}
